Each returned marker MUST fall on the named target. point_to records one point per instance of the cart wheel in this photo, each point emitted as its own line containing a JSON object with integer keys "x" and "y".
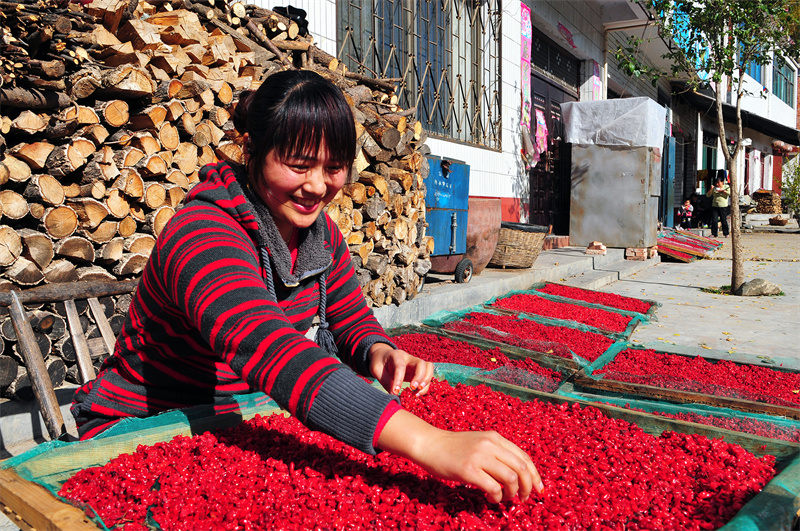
{"x": 464, "y": 271}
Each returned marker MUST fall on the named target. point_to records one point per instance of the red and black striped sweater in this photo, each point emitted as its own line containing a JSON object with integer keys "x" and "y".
{"x": 203, "y": 324}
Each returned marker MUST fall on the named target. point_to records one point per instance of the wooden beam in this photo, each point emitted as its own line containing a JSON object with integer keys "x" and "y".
{"x": 82, "y": 352}
{"x": 36, "y": 508}
{"x": 73, "y": 290}
{"x": 37, "y": 371}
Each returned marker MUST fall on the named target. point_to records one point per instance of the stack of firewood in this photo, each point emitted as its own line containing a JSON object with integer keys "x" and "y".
{"x": 110, "y": 110}
{"x": 107, "y": 113}
{"x": 767, "y": 202}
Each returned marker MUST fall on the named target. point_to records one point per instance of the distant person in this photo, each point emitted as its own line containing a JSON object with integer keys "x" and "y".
{"x": 720, "y": 198}
{"x": 685, "y": 214}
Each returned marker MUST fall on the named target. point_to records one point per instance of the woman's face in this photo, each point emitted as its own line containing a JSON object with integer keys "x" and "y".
{"x": 296, "y": 189}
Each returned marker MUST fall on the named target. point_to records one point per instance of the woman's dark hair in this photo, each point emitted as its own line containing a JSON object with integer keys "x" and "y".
{"x": 295, "y": 112}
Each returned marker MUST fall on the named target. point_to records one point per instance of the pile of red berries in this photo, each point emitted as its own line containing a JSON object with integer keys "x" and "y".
{"x": 596, "y": 297}
{"x": 699, "y": 375}
{"x": 560, "y": 341}
{"x": 273, "y": 473}
{"x": 535, "y": 305}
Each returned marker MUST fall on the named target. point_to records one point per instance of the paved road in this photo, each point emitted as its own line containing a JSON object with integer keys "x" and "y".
{"x": 691, "y": 318}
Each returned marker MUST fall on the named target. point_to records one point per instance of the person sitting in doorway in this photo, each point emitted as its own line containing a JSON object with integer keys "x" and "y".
{"x": 685, "y": 214}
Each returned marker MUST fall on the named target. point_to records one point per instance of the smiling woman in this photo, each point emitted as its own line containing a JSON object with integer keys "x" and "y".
{"x": 239, "y": 275}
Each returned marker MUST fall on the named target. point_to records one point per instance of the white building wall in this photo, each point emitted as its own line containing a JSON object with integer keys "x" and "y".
{"x": 764, "y": 102}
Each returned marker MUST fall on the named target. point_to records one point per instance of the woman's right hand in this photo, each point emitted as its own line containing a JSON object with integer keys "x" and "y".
{"x": 483, "y": 459}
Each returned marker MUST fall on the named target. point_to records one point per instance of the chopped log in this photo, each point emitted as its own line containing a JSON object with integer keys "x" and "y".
{"x": 128, "y": 157}
{"x": 70, "y": 157}
{"x": 129, "y": 182}
{"x": 23, "y": 272}
{"x": 146, "y": 142}
{"x": 230, "y": 151}
{"x": 44, "y": 189}
{"x": 17, "y": 170}
{"x": 94, "y": 274}
{"x": 131, "y": 264}
{"x": 155, "y": 221}
{"x": 82, "y": 114}
{"x": 29, "y": 122}
{"x": 90, "y": 211}
{"x": 75, "y": 248}
{"x": 154, "y": 195}
{"x": 13, "y": 204}
{"x": 9, "y": 369}
{"x": 118, "y": 204}
{"x": 175, "y": 109}
{"x": 139, "y": 244}
{"x": 48, "y": 323}
{"x": 96, "y": 133}
{"x": 10, "y": 245}
{"x": 175, "y": 195}
{"x": 150, "y": 118}
{"x": 177, "y": 177}
{"x": 151, "y": 166}
{"x": 127, "y": 226}
{"x": 356, "y": 191}
{"x": 113, "y": 112}
{"x": 110, "y": 251}
{"x": 374, "y": 207}
{"x": 60, "y": 222}
{"x": 127, "y": 81}
{"x": 34, "y": 99}
{"x": 205, "y": 156}
{"x": 34, "y": 154}
{"x": 185, "y": 157}
{"x": 168, "y": 136}
{"x": 104, "y": 232}
{"x": 60, "y": 271}
{"x": 37, "y": 247}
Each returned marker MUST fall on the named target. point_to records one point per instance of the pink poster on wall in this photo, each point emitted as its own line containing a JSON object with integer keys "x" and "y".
{"x": 525, "y": 74}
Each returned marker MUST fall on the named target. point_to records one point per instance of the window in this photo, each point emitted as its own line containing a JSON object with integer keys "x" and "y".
{"x": 753, "y": 70}
{"x": 445, "y": 55}
{"x": 783, "y": 81}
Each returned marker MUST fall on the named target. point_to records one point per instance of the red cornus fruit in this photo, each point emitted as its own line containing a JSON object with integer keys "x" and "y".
{"x": 273, "y": 473}
{"x": 534, "y": 305}
{"x": 596, "y": 297}
{"x": 559, "y": 341}
{"x": 745, "y": 425}
{"x": 438, "y": 349}
{"x": 699, "y": 375}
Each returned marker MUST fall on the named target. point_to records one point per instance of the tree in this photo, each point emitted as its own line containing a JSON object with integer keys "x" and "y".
{"x": 714, "y": 41}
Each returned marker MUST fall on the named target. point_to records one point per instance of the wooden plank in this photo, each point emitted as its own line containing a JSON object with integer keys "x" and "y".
{"x": 72, "y": 290}
{"x": 37, "y": 371}
{"x": 39, "y": 509}
{"x": 82, "y": 352}
{"x": 661, "y": 393}
{"x": 102, "y": 323}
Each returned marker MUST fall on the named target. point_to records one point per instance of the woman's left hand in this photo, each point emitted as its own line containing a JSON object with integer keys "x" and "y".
{"x": 392, "y": 367}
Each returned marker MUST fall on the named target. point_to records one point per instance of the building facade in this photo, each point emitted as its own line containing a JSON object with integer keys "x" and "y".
{"x": 487, "y": 80}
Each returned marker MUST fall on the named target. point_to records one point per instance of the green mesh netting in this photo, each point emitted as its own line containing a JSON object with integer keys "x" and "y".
{"x": 647, "y": 317}
{"x": 637, "y": 318}
{"x": 773, "y": 508}
{"x": 677, "y": 382}
{"x": 50, "y": 464}
{"x": 548, "y": 348}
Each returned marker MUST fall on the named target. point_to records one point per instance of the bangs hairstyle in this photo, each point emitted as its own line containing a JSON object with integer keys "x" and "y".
{"x": 296, "y": 112}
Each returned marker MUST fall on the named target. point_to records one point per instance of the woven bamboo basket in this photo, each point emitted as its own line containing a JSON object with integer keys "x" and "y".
{"x": 519, "y": 245}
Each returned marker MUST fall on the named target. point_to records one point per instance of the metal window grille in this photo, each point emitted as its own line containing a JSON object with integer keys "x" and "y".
{"x": 445, "y": 55}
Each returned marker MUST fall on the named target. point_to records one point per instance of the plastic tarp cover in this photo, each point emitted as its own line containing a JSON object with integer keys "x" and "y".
{"x": 631, "y": 122}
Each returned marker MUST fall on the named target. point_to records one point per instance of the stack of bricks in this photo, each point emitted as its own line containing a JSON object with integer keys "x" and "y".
{"x": 641, "y": 253}
{"x": 596, "y": 248}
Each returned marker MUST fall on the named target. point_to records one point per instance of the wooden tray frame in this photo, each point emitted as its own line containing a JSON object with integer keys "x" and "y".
{"x": 582, "y": 381}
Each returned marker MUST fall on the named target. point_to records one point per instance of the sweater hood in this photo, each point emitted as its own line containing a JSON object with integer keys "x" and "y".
{"x": 225, "y": 186}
